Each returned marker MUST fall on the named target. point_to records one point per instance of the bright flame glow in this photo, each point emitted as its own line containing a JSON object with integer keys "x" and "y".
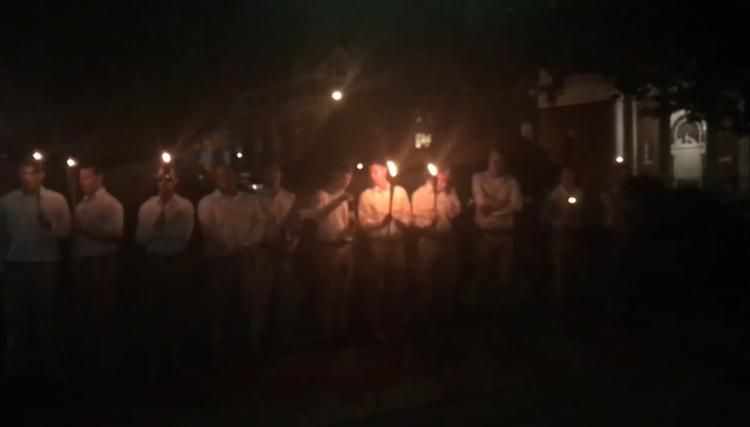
{"x": 572, "y": 200}
{"x": 239, "y": 155}
{"x": 256, "y": 187}
{"x": 166, "y": 157}
{"x": 619, "y": 159}
{"x": 432, "y": 169}
{"x": 71, "y": 162}
{"x": 337, "y": 95}
{"x": 392, "y": 168}
{"x": 360, "y": 166}
{"x": 37, "y": 156}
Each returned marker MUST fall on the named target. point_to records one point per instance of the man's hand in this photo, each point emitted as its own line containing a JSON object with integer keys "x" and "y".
{"x": 387, "y": 220}
{"x": 346, "y": 197}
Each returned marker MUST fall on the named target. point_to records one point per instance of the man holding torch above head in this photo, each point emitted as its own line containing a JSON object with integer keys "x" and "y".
{"x": 497, "y": 196}
{"x": 165, "y": 225}
{"x": 98, "y": 228}
{"x": 32, "y": 220}
{"x": 384, "y": 212}
{"x": 434, "y": 206}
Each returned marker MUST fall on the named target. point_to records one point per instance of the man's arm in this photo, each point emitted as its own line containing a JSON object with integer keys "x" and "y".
{"x": 111, "y": 231}
{"x": 423, "y": 211}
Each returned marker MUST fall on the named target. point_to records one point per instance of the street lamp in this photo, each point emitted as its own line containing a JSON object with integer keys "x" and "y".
{"x": 239, "y": 155}
{"x": 619, "y": 159}
{"x": 337, "y": 95}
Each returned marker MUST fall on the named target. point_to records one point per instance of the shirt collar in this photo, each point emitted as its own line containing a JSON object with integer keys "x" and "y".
{"x": 101, "y": 191}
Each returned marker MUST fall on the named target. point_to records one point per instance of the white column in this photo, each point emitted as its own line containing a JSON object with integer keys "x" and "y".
{"x": 619, "y": 127}
{"x": 634, "y": 133}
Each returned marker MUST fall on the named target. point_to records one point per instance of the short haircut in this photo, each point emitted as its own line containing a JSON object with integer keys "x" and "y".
{"x": 93, "y": 166}
{"x": 29, "y": 162}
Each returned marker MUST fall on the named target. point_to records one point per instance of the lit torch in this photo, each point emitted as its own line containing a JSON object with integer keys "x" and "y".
{"x": 72, "y": 163}
{"x": 433, "y": 171}
{"x": 572, "y": 200}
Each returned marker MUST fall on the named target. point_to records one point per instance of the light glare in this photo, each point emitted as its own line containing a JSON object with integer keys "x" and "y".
{"x": 432, "y": 169}
{"x": 619, "y": 159}
{"x": 166, "y": 157}
{"x": 360, "y": 166}
{"x": 337, "y": 95}
{"x": 37, "y": 156}
{"x": 392, "y": 168}
{"x": 572, "y": 200}
{"x": 71, "y": 162}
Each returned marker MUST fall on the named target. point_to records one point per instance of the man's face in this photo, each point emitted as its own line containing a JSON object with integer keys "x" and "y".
{"x": 30, "y": 178}
{"x": 166, "y": 184}
{"x": 272, "y": 178}
{"x": 379, "y": 175}
{"x": 443, "y": 178}
{"x": 496, "y": 162}
{"x": 89, "y": 181}
{"x": 226, "y": 180}
{"x": 342, "y": 179}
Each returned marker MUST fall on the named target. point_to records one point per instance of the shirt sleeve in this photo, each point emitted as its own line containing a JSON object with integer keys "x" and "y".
{"x": 455, "y": 205}
{"x": 206, "y": 219}
{"x": 144, "y": 230}
{"x": 185, "y": 222}
{"x": 403, "y": 206}
{"x": 365, "y": 211}
{"x": 516, "y": 199}
{"x": 112, "y": 220}
{"x": 61, "y": 223}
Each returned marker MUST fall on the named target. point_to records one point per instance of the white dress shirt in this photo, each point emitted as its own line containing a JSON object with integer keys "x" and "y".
{"x": 275, "y": 208}
{"x": 173, "y": 236}
{"x": 495, "y": 191}
{"x": 229, "y": 223}
{"x": 373, "y": 208}
{"x": 332, "y": 228}
{"x": 102, "y": 213}
{"x": 423, "y": 207}
{"x": 28, "y": 241}
{"x": 560, "y": 212}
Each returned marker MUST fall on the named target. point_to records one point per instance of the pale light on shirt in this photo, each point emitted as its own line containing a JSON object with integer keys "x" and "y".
{"x": 102, "y": 213}
{"x": 275, "y": 208}
{"x": 173, "y": 236}
{"x": 28, "y": 241}
{"x": 333, "y": 227}
{"x": 496, "y": 191}
{"x": 229, "y": 223}
{"x": 423, "y": 207}
{"x": 373, "y": 208}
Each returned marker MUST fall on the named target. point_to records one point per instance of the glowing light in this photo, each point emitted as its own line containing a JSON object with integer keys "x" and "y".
{"x": 572, "y": 200}
{"x": 166, "y": 157}
{"x": 239, "y": 155}
{"x": 71, "y": 162}
{"x": 337, "y": 95}
{"x": 37, "y": 156}
{"x": 392, "y": 168}
{"x": 432, "y": 169}
{"x": 619, "y": 159}
{"x": 422, "y": 140}
{"x": 256, "y": 187}
{"x": 360, "y": 166}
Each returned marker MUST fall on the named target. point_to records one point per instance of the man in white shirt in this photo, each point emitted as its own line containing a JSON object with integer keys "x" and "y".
{"x": 434, "y": 206}
{"x": 497, "y": 198}
{"x": 230, "y": 224}
{"x": 562, "y": 212}
{"x": 335, "y": 258}
{"x": 32, "y": 220}
{"x": 165, "y": 226}
{"x": 98, "y": 228}
{"x": 273, "y": 272}
{"x": 384, "y": 212}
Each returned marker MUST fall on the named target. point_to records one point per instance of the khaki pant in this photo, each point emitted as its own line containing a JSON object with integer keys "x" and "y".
{"x": 227, "y": 299}
{"x": 493, "y": 264}
{"x": 93, "y": 299}
{"x": 28, "y": 304}
{"x": 335, "y": 267}
{"x": 436, "y": 276}
{"x": 387, "y": 305}
{"x": 165, "y": 299}
{"x": 271, "y": 293}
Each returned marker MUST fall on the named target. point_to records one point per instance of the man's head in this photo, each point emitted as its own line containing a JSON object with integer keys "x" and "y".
{"x": 443, "y": 179}
{"x": 496, "y": 162}
{"x": 567, "y": 176}
{"x": 31, "y": 176}
{"x": 272, "y": 177}
{"x": 340, "y": 178}
{"x": 225, "y": 179}
{"x": 379, "y": 175}
{"x": 90, "y": 178}
{"x": 166, "y": 182}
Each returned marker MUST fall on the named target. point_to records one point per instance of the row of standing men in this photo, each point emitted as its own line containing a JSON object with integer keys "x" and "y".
{"x": 248, "y": 242}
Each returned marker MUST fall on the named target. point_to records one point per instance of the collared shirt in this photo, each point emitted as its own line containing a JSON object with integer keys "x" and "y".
{"x": 102, "y": 213}
{"x": 424, "y": 207}
{"x": 275, "y": 208}
{"x": 374, "y": 207}
{"x": 172, "y": 237}
{"x": 495, "y": 191}
{"x": 559, "y": 212}
{"x": 229, "y": 223}
{"x": 29, "y": 242}
{"x": 333, "y": 227}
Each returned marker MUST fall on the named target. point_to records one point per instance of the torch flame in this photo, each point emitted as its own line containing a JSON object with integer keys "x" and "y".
{"x": 37, "y": 156}
{"x": 572, "y": 200}
{"x": 166, "y": 157}
{"x": 360, "y": 166}
{"x": 432, "y": 169}
{"x": 392, "y": 168}
{"x": 71, "y": 162}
